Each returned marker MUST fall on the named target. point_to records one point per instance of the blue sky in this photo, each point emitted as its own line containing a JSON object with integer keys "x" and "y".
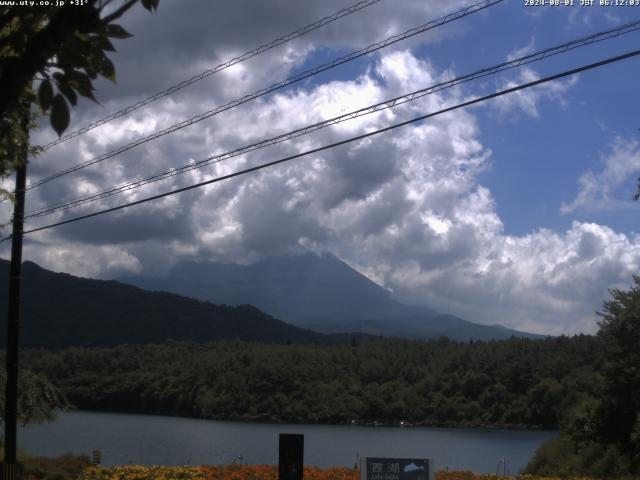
{"x": 536, "y": 161}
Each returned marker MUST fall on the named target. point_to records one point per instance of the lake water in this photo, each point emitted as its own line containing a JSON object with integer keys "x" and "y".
{"x": 148, "y": 440}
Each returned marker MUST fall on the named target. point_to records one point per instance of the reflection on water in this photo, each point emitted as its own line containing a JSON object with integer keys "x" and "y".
{"x": 149, "y": 440}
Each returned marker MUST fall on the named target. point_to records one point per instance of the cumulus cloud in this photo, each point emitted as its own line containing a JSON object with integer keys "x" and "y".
{"x": 601, "y": 191}
{"x": 544, "y": 281}
{"x": 407, "y": 208}
{"x": 84, "y": 260}
{"x": 527, "y": 101}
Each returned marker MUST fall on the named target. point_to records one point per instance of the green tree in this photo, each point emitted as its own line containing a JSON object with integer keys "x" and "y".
{"x": 620, "y": 335}
{"x": 62, "y": 50}
{"x": 600, "y": 435}
{"x": 38, "y": 399}
{"x": 59, "y": 49}
{"x": 543, "y": 401}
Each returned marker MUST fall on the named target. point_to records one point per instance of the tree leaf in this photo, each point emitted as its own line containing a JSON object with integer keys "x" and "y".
{"x": 106, "y": 69}
{"x": 83, "y": 37}
{"x": 45, "y": 95}
{"x": 103, "y": 43}
{"x": 59, "y": 114}
{"x": 68, "y": 92}
{"x": 91, "y": 70}
{"x": 72, "y": 53}
{"x": 116, "y": 31}
{"x": 81, "y": 83}
{"x": 151, "y": 5}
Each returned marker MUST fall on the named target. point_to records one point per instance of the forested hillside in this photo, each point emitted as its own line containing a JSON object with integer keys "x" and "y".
{"x": 507, "y": 383}
{"x": 61, "y": 310}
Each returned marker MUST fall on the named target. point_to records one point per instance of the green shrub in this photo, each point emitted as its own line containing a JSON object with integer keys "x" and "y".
{"x": 563, "y": 457}
{"x": 65, "y": 467}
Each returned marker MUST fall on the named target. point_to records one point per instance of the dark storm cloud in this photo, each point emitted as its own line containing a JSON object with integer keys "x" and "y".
{"x": 189, "y": 36}
{"x": 136, "y": 225}
{"x": 359, "y": 172}
{"x": 188, "y": 32}
{"x": 392, "y": 207}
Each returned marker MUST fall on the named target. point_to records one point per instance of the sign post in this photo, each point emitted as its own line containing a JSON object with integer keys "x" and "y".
{"x": 291, "y": 456}
{"x": 377, "y": 468}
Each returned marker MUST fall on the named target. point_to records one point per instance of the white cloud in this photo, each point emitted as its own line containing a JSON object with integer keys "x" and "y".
{"x": 527, "y": 101}
{"x": 600, "y": 191}
{"x": 581, "y": 17}
{"x": 521, "y": 52}
{"x": 103, "y": 261}
{"x": 544, "y": 281}
{"x": 405, "y": 207}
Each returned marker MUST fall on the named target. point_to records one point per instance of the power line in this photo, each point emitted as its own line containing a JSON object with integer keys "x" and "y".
{"x": 234, "y": 61}
{"x": 308, "y": 73}
{"x": 389, "y": 103}
{"x": 276, "y": 86}
{"x": 342, "y": 142}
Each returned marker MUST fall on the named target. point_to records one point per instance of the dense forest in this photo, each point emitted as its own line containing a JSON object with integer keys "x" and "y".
{"x": 514, "y": 383}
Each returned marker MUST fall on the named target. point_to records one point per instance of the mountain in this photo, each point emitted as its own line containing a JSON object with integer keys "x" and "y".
{"x": 302, "y": 289}
{"x": 320, "y": 292}
{"x": 60, "y": 310}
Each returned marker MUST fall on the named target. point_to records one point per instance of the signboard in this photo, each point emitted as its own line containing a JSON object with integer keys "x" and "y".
{"x": 376, "y": 468}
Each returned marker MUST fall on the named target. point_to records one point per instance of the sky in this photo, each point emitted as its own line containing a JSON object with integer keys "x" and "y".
{"x": 515, "y": 211}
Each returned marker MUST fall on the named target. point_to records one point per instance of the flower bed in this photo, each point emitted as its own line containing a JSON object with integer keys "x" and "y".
{"x": 233, "y": 472}
{"x": 259, "y": 472}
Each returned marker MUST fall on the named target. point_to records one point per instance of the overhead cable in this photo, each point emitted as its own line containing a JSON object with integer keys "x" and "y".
{"x": 500, "y": 93}
{"x": 389, "y": 103}
{"x": 207, "y": 73}
{"x": 276, "y": 86}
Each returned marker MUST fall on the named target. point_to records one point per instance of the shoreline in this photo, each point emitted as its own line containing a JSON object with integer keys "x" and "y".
{"x": 396, "y": 425}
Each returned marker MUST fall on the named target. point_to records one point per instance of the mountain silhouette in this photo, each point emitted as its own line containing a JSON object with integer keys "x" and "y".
{"x": 319, "y": 292}
{"x": 61, "y": 310}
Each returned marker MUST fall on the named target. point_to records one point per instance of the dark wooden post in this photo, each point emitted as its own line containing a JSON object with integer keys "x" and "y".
{"x": 291, "y": 456}
{"x": 13, "y": 320}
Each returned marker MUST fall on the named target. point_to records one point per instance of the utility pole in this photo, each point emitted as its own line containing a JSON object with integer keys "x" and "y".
{"x": 13, "y": 320}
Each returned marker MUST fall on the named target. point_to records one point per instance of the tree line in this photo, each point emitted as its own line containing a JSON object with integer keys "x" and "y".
{"x": 513, "y": 383}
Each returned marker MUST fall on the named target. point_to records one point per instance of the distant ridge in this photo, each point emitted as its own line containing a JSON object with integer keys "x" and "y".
{"x": 320, "y": 292}
{"x": 61, "y": 310}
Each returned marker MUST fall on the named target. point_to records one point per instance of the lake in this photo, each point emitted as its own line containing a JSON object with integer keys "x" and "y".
{"x": 148, "y": 440}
